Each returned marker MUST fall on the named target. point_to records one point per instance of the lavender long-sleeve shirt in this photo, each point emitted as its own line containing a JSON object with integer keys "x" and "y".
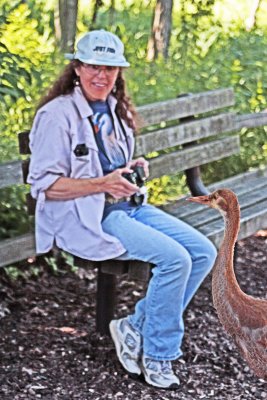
{"x": 74, "y": 225}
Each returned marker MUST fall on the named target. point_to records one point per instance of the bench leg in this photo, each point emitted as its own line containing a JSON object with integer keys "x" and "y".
{"x": 105, "y": 301}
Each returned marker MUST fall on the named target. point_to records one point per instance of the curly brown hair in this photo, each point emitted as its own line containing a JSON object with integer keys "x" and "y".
{"x": 66, "y": 82}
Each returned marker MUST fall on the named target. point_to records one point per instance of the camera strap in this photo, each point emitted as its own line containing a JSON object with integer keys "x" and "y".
{"x": 123, "y": 130}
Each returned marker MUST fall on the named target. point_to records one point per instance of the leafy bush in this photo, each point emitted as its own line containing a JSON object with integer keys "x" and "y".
{"x": 28, "y": 62}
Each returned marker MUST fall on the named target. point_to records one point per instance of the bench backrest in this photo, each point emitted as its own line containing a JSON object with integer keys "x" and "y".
{"x": 178, "y": 135}
{"x": 169, "y": 125}
{"x": 187, "y": 132}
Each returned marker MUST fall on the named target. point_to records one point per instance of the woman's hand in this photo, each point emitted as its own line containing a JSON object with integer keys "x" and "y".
{"x": 140, "y": 162}
{"x": 118, "y": 186}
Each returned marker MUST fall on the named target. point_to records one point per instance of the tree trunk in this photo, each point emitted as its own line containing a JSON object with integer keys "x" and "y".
{"x": 158, "y": 43}
{"x": 97, "y": 5}
{"x": 68, "y": 10}
{"x": 251, "y": 20}
{"x": 111, "y": 12}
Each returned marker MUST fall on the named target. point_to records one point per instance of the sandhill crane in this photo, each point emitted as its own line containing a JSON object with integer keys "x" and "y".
{"x": 243, "y": 317}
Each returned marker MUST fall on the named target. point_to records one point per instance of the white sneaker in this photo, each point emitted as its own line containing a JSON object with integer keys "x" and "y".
{"x": 128, "y": 345}
{"x": 159, "y": 373}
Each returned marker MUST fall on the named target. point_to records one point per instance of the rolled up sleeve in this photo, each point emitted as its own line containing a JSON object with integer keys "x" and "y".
{"x": 50, "y": 145}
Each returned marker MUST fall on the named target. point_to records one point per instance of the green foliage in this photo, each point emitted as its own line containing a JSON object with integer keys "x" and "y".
{"x": 166, "y": 188}
{"x": 29, "y": 62}
{"x": 192, "y": 38}
{"x": 14, "y": 217}
{"x": 14, "y": 272}
{"x": 13, "y": 72}
{"x": 52, "y": 263}
{"x": 34, "y": 268}
{"x": 66, "y": 259}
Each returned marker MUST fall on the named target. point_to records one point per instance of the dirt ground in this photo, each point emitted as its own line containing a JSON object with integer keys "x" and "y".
{"x": 49, "y": 348}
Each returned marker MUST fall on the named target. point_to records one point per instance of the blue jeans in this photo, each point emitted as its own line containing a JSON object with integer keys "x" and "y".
{"x": 182, "y": 257}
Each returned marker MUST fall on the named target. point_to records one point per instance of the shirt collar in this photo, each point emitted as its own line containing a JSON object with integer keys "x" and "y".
{"x": 83, "y": 106}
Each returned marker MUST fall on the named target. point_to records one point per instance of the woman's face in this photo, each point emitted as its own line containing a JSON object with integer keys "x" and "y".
{"x": 97, "y": 81}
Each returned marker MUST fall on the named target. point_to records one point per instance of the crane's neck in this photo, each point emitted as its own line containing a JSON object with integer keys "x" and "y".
{"x": 226, "y": 252}
{"x": 232, "y": 223}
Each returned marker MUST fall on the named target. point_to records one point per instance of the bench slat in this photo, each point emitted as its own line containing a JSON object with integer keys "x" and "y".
{"x": 184, "y": 133}
{"x": 239, "y": 184}
{"x": 192, "y": 104}
{"x": 10, "y": 174}
{"x": 251, "y": 120}
{"x": 17, "y": 249}
{"x": 194, "y": 155}
{"x": 23, "y": 247}
{"x": 256, "y": 176}
{"x": 251, "y": 188}
{"x": 251, "y": 221}
{"x": 247, "y": 199}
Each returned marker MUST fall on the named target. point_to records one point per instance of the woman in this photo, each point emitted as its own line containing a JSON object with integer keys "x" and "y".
{"x": 82, "y": 143}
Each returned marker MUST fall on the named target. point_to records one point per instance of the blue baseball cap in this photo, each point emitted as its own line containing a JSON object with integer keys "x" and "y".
{"x": 100, "y": 47}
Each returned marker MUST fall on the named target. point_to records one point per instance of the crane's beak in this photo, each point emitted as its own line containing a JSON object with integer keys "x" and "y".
{"x": 200, "y": 199}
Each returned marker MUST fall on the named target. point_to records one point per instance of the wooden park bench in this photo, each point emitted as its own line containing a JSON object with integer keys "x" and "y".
{"x": 179, "y": 135}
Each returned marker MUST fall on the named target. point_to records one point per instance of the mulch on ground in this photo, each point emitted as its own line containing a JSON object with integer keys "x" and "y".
{"x": 49, "y": 348}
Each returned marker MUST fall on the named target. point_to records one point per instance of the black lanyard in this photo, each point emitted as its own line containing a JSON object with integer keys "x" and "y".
{"x": 99, "y": 145}
{"x": 123, "y": 131}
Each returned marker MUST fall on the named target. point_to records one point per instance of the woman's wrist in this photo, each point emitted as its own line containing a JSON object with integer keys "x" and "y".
{"x": 70, "y": 188}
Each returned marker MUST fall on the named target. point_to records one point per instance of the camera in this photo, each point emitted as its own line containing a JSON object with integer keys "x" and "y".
{"x": 137, "y": 177}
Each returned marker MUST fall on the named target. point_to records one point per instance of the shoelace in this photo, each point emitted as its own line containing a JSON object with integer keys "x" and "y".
{"x": 166, "y": 367}
{"x": 159, "y": 366}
